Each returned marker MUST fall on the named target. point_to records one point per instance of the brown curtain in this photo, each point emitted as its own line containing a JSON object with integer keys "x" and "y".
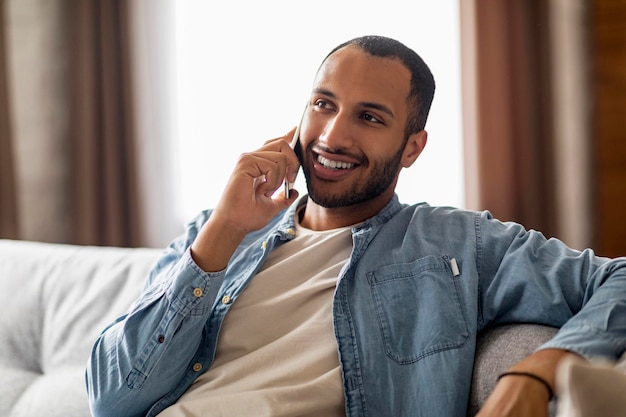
{"x": 609, "y": 125}
{"x": 507, "y": 102}
{"x": 84, "y": 182}
{"x": 544, "y": 97}
{"x": 104, "y": 179}
{"x": 8, "y": 210}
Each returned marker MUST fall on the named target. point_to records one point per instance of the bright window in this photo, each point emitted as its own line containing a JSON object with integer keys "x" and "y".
{"x": 244, "y": 71}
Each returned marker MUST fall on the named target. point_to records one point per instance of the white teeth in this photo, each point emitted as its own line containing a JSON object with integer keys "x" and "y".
{"x": 327, "y": 163}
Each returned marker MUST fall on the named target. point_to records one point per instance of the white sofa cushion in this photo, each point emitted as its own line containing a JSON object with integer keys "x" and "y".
{"x": 55, "y": 301}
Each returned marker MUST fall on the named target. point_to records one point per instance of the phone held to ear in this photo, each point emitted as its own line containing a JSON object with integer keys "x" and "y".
{"x": 295, "y": 145}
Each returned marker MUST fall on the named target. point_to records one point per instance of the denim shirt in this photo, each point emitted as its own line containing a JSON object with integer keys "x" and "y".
{"x": 421, "y": 283}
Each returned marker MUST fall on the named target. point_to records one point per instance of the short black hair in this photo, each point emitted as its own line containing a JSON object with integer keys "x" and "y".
{"x": 422, "y": 81}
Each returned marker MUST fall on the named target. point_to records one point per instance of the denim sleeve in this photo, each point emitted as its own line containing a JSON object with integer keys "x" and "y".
{"x": 145, "y": 353}
{"x": 525, "y": 277}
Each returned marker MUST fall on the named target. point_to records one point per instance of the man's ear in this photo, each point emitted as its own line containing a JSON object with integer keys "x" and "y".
{"x": 414, "y": 147}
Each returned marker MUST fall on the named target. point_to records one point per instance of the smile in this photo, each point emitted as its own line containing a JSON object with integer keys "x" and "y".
{"x": 327, "y": 163}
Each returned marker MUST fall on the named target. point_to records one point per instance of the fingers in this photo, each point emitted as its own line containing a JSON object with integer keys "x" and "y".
{"x": 268, "y": 167}
{"x": 265, "y": 170}
{"x": 250, "y": 198}
{"x": 283, "y": 145}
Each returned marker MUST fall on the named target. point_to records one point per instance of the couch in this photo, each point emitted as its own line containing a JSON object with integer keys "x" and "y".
{"x": 56, "y": 299}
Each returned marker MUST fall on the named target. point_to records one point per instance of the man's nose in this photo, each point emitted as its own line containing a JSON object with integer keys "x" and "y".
{"x": 337, "y": 132}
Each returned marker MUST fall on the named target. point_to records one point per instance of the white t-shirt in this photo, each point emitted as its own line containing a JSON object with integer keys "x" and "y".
{"x": 277, "y": 354}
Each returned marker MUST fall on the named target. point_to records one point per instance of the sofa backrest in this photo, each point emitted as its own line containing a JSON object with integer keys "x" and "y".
{"x": 55, "y": 300}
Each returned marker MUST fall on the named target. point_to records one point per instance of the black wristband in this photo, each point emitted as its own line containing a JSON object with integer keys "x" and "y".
{"x": 533, "y": 376}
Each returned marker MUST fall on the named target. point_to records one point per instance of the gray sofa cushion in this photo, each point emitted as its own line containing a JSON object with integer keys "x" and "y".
{"x": 499, "y": 348}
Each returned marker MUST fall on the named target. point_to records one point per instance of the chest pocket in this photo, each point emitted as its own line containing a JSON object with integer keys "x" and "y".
{"x": 419, "y": 309}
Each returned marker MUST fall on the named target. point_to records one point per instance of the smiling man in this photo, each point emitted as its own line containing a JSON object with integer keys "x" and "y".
{"x": 355, "y": 137}
{"x": 345, "y": 302}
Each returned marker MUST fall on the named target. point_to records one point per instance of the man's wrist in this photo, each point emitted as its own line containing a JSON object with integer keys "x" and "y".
{"x": 530, "y": 375}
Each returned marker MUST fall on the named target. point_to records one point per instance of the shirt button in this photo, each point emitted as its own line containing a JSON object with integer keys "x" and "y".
{"x": 197, "y": 367}
{"x": 198, "y": 292}
{"x": 291, "y": 231}
{"x": 226, "y": 299}
{"x": 264, "y": 245}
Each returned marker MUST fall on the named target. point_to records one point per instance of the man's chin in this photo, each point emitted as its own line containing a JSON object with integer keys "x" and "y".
{"x": 331, "y": 201}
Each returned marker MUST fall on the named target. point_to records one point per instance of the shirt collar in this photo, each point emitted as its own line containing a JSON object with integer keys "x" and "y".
{"x": 287, "y": 224}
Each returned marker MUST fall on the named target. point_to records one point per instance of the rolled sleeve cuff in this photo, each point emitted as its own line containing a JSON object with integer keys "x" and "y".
{"x": 193, "y": 291}
{"x": 588, "y": 342}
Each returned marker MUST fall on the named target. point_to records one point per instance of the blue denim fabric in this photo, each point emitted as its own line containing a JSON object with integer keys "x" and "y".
{"x": 405, "y": 322}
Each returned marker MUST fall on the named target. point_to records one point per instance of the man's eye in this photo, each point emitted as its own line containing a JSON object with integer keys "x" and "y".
{"x": 370, "y": 118}
{"x": 321, "y": 104}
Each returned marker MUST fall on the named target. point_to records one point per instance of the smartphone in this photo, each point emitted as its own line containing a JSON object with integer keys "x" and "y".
{"x": 295, "y": 145}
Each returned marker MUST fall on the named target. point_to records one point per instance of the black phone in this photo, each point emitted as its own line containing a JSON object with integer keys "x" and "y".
{"x": 297, "y": 148}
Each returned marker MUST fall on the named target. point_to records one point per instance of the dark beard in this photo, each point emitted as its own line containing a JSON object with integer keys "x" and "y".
{"x": 383, "y": 175}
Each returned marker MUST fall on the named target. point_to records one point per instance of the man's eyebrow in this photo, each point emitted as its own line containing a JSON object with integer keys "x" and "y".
{"x": 325, "y": 92}
{"x": 366, "y": 104}
{"x": 379, "y": 107}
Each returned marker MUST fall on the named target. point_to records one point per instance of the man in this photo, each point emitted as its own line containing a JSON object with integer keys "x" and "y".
{"x": 346, "y": 302}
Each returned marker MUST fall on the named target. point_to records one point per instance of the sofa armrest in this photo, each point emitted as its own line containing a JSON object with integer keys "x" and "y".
{"x": 498, "y": 349}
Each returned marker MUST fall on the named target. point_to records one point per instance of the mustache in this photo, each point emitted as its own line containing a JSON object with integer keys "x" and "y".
{"x": 320, "y": 148}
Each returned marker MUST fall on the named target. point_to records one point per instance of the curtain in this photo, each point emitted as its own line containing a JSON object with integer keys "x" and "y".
{"x": 514, "y": 118}
{"x": 103, "y": 171}
{"x": 608, "y": 42}
{"x": 8, "y": 209}
{"x": 68, "y": 148}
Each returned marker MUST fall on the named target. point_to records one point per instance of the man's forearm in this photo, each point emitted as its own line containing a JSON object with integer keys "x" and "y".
{"x": 215, "y": 244}
{"x": 145, "y": 354}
